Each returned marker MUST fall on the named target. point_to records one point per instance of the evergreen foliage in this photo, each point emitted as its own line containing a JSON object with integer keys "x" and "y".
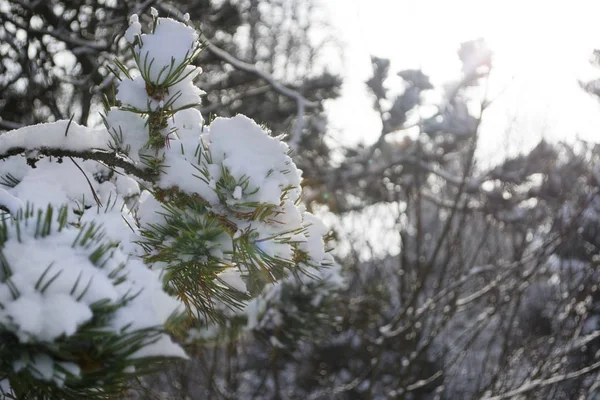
{"x": 181, "y": 225}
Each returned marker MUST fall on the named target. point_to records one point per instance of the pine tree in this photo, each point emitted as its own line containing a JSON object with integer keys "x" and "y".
{"x": 116, "y": 241}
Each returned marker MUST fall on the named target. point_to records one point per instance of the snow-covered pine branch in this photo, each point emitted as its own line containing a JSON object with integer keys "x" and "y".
{"x": 158, "y": 221}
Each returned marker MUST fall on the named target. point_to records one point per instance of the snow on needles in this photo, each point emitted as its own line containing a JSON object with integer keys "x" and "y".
{"x": 248, "y": 152}
{"x": 71, "y": 260}
{"x": 54, "y": 276}
{"x": 166, "y": 49}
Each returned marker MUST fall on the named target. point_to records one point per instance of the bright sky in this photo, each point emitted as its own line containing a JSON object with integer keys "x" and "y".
{"x": 542, "y": 47}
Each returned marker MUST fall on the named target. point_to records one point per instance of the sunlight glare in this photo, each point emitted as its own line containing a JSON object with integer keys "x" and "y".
{"x": 545, "y": 38}
{"x": 541, "y": 50}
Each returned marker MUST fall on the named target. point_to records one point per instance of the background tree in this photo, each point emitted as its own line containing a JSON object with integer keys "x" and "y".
{"x": 480, "y": 302}
{"x": 492, "y": 294}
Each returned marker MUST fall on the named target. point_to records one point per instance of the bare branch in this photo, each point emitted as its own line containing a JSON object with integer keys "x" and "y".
{"x": 9, "y": 124}
{"x": 539, "y": 383}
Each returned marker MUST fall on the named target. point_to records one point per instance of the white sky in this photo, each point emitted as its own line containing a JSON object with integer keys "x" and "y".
{"x": 542, "y": 47}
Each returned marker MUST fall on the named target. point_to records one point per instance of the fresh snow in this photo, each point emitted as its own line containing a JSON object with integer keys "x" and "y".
{"x": 65, "y": 135}
{"x": 10, "y": 202}
{"x": 168, "y": 47}
{"x": 233, "y": 164}
{"x": 248, "y": 152}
